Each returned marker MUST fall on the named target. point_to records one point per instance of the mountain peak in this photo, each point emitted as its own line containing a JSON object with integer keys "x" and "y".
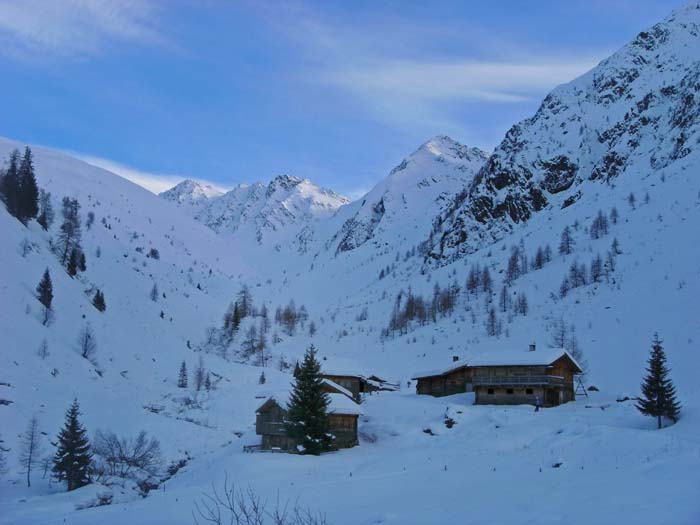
{"x": 192, "y": 191}
{"x": 443, "y": 147}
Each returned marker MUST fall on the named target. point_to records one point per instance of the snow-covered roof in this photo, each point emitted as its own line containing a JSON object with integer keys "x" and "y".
{"x": 337, "y": 387}
{"x": 456, "y": 365}
{"x": 339, "y": 403}
{"x": 503, "y": 358}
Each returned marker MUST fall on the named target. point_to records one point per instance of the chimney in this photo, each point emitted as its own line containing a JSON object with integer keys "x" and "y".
{"x": 455, "y": 358}
{"x": 532, "y": 347}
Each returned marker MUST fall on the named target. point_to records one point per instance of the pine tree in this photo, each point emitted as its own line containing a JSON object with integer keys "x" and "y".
{"x": 182, "y": 378}
{"x": 566, "y": 244}
{"x": 11, "y": 185}
{"x": 659, "y": 394}
{"x": 29, "y": 192}
{"x": 98, "y": 301}
{"x": 307, "y": 416}
{"x": 72, "y": 266}
{"x": 262, "y": 378}
{"x": 154, "y": 293}
{"x": 46, "y": 214}
{"x": 44, "y": 290}
{"x": 69, "y": 235}
{"x": 73, "y": 458}
{"x": 207, "y": 383}
{"x": 30, "y": 451}
{"x": 82, "y": 265}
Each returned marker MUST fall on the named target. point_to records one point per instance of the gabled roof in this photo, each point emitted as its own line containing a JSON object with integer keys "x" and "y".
{"x": 339, "y": 403}
{"x": 544, "y": 357}
{"x": 456, "y": 365}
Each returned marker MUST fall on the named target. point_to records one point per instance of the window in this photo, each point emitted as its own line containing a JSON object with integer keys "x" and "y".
{"x": 528, "y": 391}
{"x": 490, "y": 391}
{"x": 509, "y": 391}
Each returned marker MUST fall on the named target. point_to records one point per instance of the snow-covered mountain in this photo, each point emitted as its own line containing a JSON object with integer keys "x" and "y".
{"x": 637, "y": 112}
{"x": 279, "y": 210}
{"x": 352, "y": 265}
{"x": 394, "y": 212}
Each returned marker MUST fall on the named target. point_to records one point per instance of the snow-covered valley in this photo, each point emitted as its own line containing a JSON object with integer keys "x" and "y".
{"x": 170, "y": 266}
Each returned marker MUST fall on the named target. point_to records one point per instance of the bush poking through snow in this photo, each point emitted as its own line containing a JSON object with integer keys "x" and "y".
{"x": 245, "y": 507}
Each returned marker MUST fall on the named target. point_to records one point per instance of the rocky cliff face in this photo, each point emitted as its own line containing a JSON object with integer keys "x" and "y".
{"x": 636, "y": 112}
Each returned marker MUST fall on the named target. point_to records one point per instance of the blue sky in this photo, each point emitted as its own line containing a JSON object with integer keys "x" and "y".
{"x": 338, "y": 92}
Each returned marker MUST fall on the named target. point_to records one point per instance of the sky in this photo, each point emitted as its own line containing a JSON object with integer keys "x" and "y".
{"x": 241, "y": 91}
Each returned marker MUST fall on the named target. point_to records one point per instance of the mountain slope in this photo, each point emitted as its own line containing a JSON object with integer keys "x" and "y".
{"x": 636, "y": 112}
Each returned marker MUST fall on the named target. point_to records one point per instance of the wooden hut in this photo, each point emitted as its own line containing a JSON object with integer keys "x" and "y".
{"x": 454, "y": 379}
{"x": 358, "y": 384}
{"x": 343, "y": 414}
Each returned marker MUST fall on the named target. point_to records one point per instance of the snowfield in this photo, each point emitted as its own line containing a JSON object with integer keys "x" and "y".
{"x": 420, "y": 459}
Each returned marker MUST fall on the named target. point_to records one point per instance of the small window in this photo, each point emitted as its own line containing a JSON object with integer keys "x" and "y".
{"x": 490, "y": 391}
{"x": 509, "y": 391}
{"x": 528, "y": 391}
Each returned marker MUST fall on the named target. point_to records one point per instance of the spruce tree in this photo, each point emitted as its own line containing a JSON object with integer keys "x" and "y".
{"x": 11, "y": 185}
{"x": 72, "y": 266}
{"x": 82, "y": 264}
{"x": 46, "y": 215}
{"x": 29, "y": 192}
{"x": 182, "y": 378}
{"x": 69, "y": 235}
{"x": 566, "y": 245}
{"x": 98, "y": 301}
{"x": 44, "y": 290}
{"x": 307, "y": 416}
{"x": 659, "y": 394}
{"x": 73, "y": 458}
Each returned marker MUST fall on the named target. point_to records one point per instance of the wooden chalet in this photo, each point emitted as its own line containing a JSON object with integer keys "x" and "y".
{"x": 358, "y": 384}
{"x": 343, "y": 414}
{"x": 507, "y": 378}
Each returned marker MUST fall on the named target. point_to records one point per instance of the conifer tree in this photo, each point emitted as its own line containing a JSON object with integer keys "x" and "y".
{"x": 82, "y": 265}
{"x": 73, "y": 457}
{"x": 46, "y": 214}
{"x": 70, "y": 234}
{"x": 29, "y": 192}
{"x": 98, "y": 301}
{"x": 44, "y": 290}
{"x": 659, "y": 394}
{"x": 566, "y": 244}
{"x": 182, "y": 378}
{"x": 307, "y": 416}
{"x": 72, "y": 266}
{"x": 11, "y": 185}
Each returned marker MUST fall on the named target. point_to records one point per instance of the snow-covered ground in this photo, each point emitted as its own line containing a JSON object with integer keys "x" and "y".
{"x": 596, "y": 460}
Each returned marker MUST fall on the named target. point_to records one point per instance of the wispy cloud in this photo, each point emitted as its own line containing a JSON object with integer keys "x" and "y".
{"x": 40, "y": 29}
{"x": 153, "y": 182}
{"x": 406, "y": 92}
{"x": 409, "y": 74}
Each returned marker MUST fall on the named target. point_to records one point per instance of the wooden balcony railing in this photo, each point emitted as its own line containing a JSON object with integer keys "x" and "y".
{"x": 518, "y": 380}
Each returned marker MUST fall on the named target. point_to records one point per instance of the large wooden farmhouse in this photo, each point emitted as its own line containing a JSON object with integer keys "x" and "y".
{"x": 507, "y": 378}
{"x": 343, "y": 413}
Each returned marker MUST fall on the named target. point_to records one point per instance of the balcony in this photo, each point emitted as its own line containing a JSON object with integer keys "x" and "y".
{"x": 536, "y": 380}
